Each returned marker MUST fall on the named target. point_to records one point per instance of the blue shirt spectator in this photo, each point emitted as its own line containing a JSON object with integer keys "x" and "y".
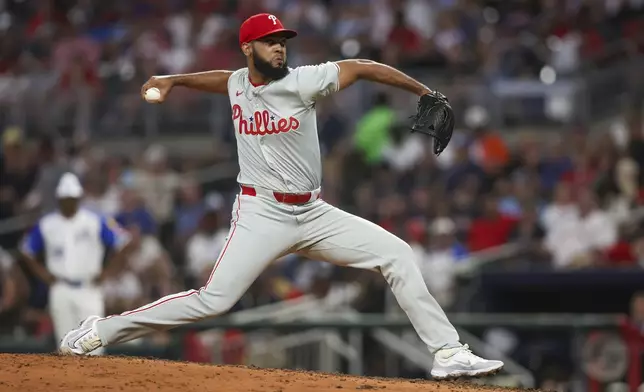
{"x": 134, "y": 213}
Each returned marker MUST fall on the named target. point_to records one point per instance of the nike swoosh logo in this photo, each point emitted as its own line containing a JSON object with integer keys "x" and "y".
{"x": 464, "y": 362}
{"x": 239, "y": 93}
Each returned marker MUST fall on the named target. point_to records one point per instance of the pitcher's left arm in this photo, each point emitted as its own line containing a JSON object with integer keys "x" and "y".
{"x": 353, "y": 70}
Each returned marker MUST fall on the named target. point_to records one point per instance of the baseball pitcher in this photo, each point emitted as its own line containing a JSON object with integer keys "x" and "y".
{"x": 279, "y": 210}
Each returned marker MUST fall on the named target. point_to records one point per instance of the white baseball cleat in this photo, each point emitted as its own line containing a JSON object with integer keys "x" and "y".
{"x": 457, "y": 362}
{"x": 82, "y": 340}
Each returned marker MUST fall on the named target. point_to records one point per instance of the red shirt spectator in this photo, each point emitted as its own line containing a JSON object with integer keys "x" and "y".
{"x": 387, "y": 224}
{"x": 220, "y": 56}
{"x": 194, "y": 350}
{"x": 7, "y": 66}
{"x": 44, "y": 16}
{"x": 416, "y": 231}
{"x": 207, "y": 7}
{"x": 490, "y": 230}
{"x": 73, "y": 46}
{"x": 620, "y": 254}
{"x": 561, "y": 29}
{"x": 634, "y": 30}
{"x": 402, "y": 36}
{"x": 593, "y": 43}
{"x": 582, "y": 175}
{"x": 79, "y": 74}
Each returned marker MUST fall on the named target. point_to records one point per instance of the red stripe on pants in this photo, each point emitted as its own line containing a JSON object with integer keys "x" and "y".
{"x": 221, "y": 256}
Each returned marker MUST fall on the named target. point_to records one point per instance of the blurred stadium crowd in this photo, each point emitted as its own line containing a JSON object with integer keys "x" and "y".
{"x": 74, "y": 58}
{"x": 565, "y": 200}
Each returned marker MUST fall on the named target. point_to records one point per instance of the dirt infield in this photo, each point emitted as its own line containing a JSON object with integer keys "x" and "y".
{"x": 53, "y": 373}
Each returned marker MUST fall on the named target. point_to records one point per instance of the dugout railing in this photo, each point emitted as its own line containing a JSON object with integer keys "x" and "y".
{"x": 582, "y": 330}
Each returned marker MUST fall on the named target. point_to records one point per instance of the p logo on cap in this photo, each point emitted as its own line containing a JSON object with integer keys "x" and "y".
{"x": 261, "y": 25}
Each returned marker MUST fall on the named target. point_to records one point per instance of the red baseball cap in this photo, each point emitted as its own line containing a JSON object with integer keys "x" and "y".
{"x": 261, "y": 25}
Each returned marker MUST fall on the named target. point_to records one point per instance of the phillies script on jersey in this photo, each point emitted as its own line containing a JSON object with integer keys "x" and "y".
{"x": 262, "y": 122}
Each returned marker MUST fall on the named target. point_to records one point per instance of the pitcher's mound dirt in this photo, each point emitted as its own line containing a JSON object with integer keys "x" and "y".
{"x": 51, "y": 373}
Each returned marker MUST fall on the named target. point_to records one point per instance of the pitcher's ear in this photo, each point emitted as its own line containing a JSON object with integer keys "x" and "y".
{"x": 246, "y": 49}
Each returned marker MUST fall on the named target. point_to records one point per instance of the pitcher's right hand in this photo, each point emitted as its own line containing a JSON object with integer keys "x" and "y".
{"x": 163, "y": 83}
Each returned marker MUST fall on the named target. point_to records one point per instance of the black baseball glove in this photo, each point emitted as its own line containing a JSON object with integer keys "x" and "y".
{"x": 434, "y": 117}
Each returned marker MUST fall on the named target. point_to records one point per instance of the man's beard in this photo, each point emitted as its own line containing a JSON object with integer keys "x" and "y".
{"x": 270, "y": 72}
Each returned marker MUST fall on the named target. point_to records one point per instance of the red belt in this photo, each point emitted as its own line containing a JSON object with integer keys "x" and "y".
{"x": 288, "y": 198}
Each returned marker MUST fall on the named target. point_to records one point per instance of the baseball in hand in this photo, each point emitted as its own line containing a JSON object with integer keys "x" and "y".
{"x": 152, "y": 94}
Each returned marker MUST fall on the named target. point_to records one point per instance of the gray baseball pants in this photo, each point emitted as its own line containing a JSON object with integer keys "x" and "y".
{"x": 262, "y": 230}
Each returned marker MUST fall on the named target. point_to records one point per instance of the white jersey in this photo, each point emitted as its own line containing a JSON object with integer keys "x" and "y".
{"x": 276, "y": 127}
{"x": 74, "y": 247}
